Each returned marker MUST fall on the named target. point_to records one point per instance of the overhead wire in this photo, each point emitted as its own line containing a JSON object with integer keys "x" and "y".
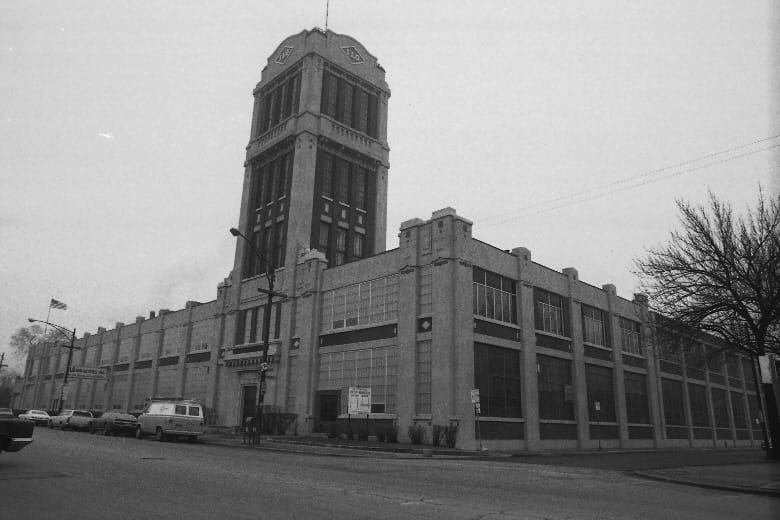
{"x": 581, "y": 196}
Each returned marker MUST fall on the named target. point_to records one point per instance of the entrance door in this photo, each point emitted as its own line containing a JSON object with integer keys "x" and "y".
{"x": 249, "y": 402}
{"x": 329, "y": 406}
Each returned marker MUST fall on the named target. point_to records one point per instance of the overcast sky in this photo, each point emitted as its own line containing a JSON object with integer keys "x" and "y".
{"x": 567, "y": 129}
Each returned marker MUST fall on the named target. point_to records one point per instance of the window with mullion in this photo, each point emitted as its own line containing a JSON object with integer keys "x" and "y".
{"x": 549, "y": 312}
{"x": 330, "y": 89}
{"x": 555, "y": 388}
{"x": 594, "y": 326}
{"x": 346, "y": 99}
{"x": 497, "y": 376}
{"x": 326, "y": 174}
{"x": 341, "y": 246}
{"x": 342, "y": 180}
{"x": 359, "y": 186}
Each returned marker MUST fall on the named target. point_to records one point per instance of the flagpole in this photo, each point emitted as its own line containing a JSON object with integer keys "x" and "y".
{"x": 48, "y": 314}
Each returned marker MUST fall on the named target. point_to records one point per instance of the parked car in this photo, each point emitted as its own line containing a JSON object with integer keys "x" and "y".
{"x": 72, "y": 419}
{"x": 114, "y": 423}
{"x": 6, "y": 412}
{"x": 169, "y": 418}
{"x": 37, "y": 416}
{"x": 15, "y": 433}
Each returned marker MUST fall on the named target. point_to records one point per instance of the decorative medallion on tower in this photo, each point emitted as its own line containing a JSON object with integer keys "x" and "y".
{"x": 284, "y": 53}
{"x": 353, "y": 55}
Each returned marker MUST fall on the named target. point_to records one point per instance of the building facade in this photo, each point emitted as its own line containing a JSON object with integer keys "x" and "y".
{"x": 558, "y": 363}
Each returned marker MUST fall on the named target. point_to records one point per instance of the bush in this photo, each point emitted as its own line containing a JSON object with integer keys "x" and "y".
{"x": 417, "y": 433}
{"x": 451, "y": 435}
{"x": 392, "y": 434}
{"x": 437, "y": 434}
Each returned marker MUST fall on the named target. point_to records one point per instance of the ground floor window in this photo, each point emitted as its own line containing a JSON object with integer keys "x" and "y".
{"x": 637, "y": 408}
{"x": 497, "y": 376}
{"x": 422, "y": 394}
{"x": 374, "y": 367}
{"x": 720, "y": 407}
{"x": 674, "y": 402}
{"x": 600, "y": 390}
{"x": 699, "y": 409}
{"x": 555, "y": 389}
{"x": 195, "y": 382}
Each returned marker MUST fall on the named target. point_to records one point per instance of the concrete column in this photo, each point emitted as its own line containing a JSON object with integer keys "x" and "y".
{"x": 579, "y": 383}
{"x": 526, "y": 319}
{"x": 617, "y": 355}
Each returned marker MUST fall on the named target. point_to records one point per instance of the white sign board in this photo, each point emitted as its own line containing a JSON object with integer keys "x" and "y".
{"x": 359, "y": 400}
{"x": 87, "y": 372}
{"x": 597, "y": 406}
{"x": 765, "y": 367}
{"x": 475, "y": 396}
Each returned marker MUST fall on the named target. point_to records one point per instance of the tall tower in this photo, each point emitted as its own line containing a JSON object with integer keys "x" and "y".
{"x": 317, "y": 160}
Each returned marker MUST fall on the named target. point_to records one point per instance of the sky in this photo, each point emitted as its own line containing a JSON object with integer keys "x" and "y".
{"x": 569, "y": 128}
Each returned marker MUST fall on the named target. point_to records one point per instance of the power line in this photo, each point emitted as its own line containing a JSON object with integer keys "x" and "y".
{"x": 582, "y": 195}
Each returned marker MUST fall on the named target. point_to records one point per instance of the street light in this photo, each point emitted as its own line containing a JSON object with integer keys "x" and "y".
{"x": 269, "y": 274}
{"x": 71, "y": 337}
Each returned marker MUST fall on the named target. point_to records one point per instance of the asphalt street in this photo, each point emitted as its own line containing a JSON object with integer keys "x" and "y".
{"x": 77, "y": 475}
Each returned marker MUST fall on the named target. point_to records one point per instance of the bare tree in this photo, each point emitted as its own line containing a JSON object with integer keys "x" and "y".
{"x": 720, "y": 274}
{"x": 26, "y": 337}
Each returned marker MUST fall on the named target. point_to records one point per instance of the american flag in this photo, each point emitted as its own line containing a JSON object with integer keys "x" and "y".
{"x": 54, "y": 304}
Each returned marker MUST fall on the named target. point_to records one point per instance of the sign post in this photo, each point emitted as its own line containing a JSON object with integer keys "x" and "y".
{"x": 597, "y": 407}
{"x": 359, "y": 402}
{"x": 477, "y": 412}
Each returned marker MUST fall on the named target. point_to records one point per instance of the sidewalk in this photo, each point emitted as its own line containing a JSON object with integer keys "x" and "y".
{"x": 738, "y": 469}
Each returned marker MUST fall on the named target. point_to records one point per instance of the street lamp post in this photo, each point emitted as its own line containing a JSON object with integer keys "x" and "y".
{"x": 71, "y": 337}
{"x": 269, "y": 274}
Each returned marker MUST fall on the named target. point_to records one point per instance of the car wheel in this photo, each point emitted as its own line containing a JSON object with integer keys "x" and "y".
{"x": 51, "y": 426}
{"x": 138, "y": 433}
{"x": 107, "y": 431}
{"x": 159, "y": 434}
{"x": 92, "y": 429}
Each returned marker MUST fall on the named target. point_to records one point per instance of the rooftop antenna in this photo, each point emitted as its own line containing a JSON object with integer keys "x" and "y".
{"x": 327, "y": 7}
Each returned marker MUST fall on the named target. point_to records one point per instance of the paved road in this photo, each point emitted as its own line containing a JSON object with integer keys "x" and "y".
{"x": 76, "y": 475}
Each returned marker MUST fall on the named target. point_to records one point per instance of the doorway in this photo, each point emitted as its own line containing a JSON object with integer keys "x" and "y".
{"x": 327, "y": 410}
{"x": 248, "y": 402}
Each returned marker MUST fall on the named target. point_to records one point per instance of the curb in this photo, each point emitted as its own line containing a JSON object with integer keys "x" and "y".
{"x": 720, "y": 487}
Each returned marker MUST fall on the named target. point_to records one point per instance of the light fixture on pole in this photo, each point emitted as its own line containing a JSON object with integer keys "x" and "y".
{"x": 269, "y": 274}
{"x": 71, "y": 337}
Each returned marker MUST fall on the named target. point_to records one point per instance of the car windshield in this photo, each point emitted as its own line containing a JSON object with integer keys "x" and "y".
{"x": 37, "y": 412}
{"x": 82, "y": 414}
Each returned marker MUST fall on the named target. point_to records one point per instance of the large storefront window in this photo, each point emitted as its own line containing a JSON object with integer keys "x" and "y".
{"x": 374, "y": 367}
{"x": 555, "y": 388}
{"x": 674, "y": 402}
{"x": 497, "y": 376}
{"x": 600, "y": 390}
{"x": 637, "y": 408}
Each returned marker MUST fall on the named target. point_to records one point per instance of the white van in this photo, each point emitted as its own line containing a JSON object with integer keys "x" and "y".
{"x": 168, "y": 418}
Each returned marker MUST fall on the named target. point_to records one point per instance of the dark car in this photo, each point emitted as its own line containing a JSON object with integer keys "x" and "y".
{"x": 114, "y": 423}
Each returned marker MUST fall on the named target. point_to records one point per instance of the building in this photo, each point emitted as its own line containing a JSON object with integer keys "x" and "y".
{"x": 558, "y": 363}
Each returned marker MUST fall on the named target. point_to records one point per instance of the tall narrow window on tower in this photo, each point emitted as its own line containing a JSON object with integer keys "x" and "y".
{"x": 278, "y": 101}
{"x": 349, "y": 101}
{"x": 342, "y": 229}
{"x": 270, "y": 184}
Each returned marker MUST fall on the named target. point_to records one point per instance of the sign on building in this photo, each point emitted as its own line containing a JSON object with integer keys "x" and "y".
{"x": 87, "y": 372}
{"x": 359, "y": 400}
